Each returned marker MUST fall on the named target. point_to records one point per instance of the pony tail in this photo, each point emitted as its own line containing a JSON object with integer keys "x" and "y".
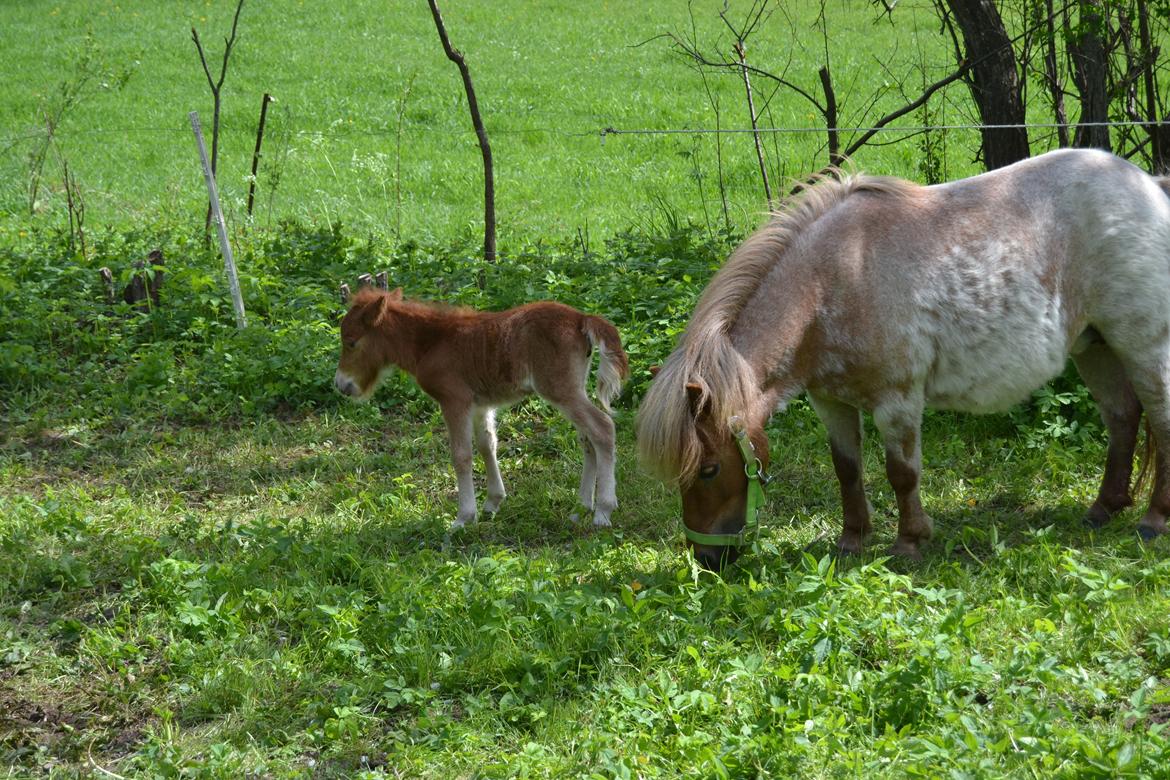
{"x": 613, "y": 366}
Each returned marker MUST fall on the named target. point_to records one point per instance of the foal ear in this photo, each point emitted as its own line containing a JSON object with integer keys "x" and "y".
{"x": 654, "y": 371}
{"x": 395, "y": 294}
{"x": 373, "y": 311}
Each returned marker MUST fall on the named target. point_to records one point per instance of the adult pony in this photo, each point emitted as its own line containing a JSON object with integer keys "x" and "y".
{"x": 878, "y": 294}
{"x": 473, "y": 362}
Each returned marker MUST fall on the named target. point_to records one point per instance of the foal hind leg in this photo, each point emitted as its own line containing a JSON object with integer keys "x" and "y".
{"x": 843, "y": 423}
{"x": 899, "y": 420}
{"x": 1121, "y": 412}
{"x": 485, "y": 442}
{"x": 585, "y": 492}
{"x": 595, "y": 428}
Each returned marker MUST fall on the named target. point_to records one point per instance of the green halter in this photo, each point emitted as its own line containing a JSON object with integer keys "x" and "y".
{"x": 757, "y": 479}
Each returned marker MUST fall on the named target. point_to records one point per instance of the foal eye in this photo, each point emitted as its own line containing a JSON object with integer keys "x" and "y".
{"x": 709, "y": 471}
{"x": 350, "y": 344}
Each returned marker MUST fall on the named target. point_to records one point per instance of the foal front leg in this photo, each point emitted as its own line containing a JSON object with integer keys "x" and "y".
{"x": 900, "y": 421}
{"x": 459, "y": 427}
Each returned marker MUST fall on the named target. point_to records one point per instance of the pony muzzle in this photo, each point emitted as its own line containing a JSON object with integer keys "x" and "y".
{"x": 346, "y": 386}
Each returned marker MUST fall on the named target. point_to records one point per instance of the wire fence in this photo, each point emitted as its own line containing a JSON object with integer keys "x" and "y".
{"x": 411, "y": 176}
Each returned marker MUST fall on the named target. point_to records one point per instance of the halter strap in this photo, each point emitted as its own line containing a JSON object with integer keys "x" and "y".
{"x": 753, "y": 468}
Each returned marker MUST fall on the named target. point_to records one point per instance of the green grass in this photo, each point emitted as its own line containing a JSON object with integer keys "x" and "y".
{"x": 549, "y": 76}
{"x": 211, "y": 565}
{"x": 284, "y": 597}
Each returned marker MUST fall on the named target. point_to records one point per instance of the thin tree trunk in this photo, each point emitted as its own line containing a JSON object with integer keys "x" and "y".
{"x": 741, "y": 52}
{"x": 1087, "y": 50}
{"x": 1159, "y": 142}
{"x": 489, "y": 194}
{"x": 256, "y": 153}
{"x": 994, "y": 81}
{"x": 1052, "y": 76}
{"x": 835, "y": 156}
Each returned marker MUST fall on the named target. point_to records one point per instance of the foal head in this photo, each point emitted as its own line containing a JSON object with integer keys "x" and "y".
{"x": 364, "y": 346}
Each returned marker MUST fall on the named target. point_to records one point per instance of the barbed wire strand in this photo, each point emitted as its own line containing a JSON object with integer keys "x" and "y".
{"x": 603, "y": 133}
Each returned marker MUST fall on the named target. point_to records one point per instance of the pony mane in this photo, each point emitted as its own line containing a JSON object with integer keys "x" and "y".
{"x": 722, "y": 382}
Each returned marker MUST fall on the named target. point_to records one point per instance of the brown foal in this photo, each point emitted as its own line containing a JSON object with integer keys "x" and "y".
{"x": 473, "y": 362}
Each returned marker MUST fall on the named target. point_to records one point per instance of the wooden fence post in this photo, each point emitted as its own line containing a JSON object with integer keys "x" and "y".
{"x": 221, "y": 228}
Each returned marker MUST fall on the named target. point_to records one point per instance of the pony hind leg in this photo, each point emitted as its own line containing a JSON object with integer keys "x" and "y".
{"x": 843, "y": 423}
{"x": 1154, "y": 393}
{"x": 485, "y": 442}
{"x": 899, "y": 421}
{"x": 1121, "y": 411}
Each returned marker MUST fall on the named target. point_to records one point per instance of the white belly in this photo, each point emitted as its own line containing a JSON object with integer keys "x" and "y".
{"x": 993, "y": 344}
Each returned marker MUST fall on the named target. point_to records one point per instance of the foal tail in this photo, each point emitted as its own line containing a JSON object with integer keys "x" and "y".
{"x": 613, "y": 367}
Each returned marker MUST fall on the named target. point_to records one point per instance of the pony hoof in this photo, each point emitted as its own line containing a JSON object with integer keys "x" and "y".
{"x": 848, "y": 549}
{"x": 601, "y": 522}
{"x": 461, "y": 522}
{"x": 1149, "y": 534}
{"x": 903, "y": 548}
{"x": 1097, "y": 517}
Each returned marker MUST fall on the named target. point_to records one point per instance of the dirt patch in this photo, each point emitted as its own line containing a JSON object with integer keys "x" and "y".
{"x": 45, "y": 734}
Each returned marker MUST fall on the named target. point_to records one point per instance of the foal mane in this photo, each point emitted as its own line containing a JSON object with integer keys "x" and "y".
{"x": 706, "y": 372}
{"x": 425, "y": 309}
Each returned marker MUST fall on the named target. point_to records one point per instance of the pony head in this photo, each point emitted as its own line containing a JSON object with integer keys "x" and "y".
{"x": 365, "y": 346}
{"x": 699, "y": 430}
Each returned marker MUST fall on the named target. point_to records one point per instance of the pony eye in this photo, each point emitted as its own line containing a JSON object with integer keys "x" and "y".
{"x": 350, "y": 344}
{"x": 709, "y": 471}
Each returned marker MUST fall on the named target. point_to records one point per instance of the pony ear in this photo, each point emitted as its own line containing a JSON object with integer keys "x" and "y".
{"x": 654, "y": 371}
{"x": 395, "y": 294}
{"x": 695, "y": 398}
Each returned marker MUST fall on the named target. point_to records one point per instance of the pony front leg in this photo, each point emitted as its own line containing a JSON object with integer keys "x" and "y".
{"x": 485, "y": 442}
{"x": 900, "y": 424}
{"x": 459, "y": 431}
{"x": 843, "y": 423}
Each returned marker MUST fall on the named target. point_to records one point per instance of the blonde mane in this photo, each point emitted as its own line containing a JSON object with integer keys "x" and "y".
{"x": 722, "y": 381}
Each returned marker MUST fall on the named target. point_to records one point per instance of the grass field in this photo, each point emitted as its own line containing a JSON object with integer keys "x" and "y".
{"x": 212, "y": 565}
{"x": 550, "y": 75}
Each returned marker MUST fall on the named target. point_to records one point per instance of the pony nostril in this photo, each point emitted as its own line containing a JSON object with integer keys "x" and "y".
{"x": 709, "y": 559}
{"x": 715, "y": 558}
{"x": 345, "y": 385}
